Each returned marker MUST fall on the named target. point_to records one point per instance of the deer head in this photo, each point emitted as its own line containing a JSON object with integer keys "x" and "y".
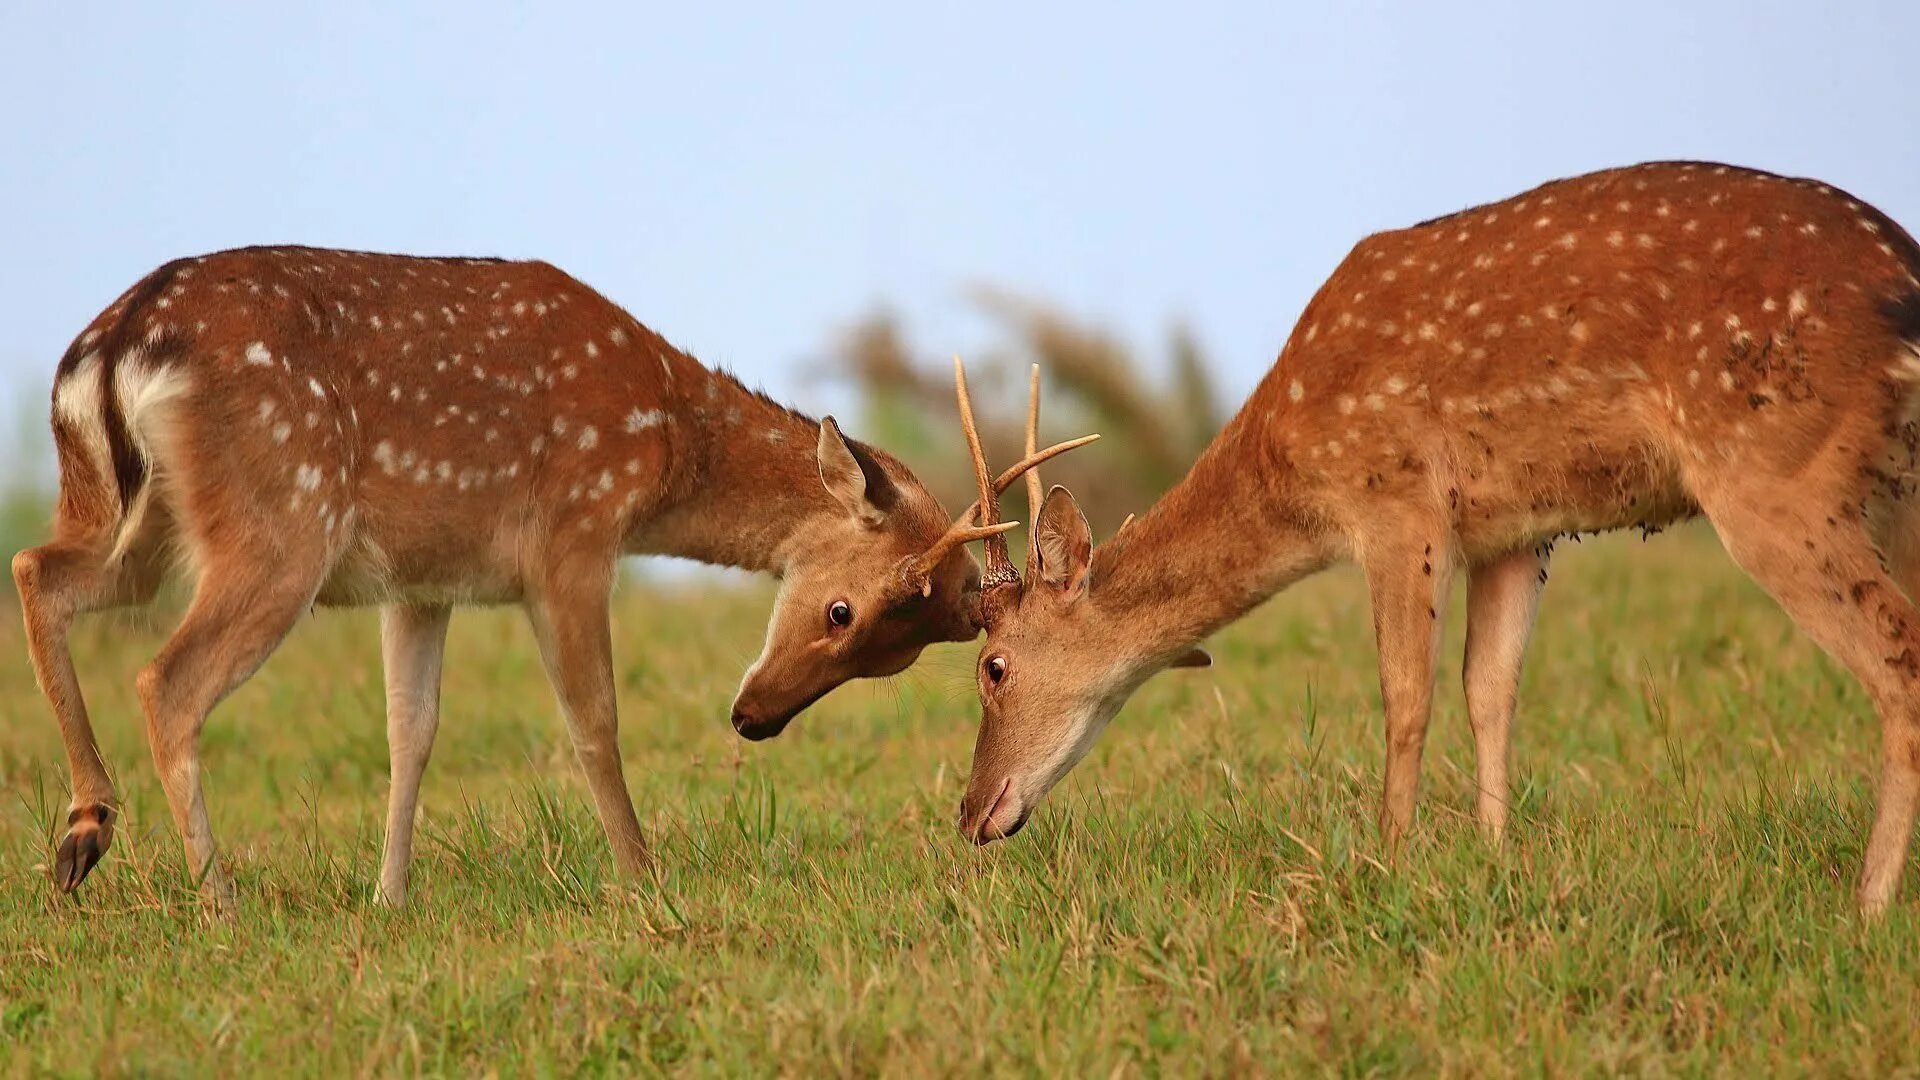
{"x": 1056, "y": 666}
{"x": 865, "y": 588}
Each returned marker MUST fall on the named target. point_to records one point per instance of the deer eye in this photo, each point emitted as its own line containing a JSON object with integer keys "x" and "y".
{"x": 996, "y": 669}
{"x": 840, "y": 613}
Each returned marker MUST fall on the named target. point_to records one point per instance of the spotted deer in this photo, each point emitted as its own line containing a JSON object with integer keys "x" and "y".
{"x": 1628, "y": 348}
{"x": 298, "y": 427}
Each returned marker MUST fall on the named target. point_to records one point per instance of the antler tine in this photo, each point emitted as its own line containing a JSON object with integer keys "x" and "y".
{"x": 1033, "y": 471}
{"x": 1033, "y": 441}
{"x": 1005, "y": 480}
{"x": 958, "y": 534}
{"x": 1026, "y": 464}
{"x": 999, "y": 568}
{"x": 972, "y": 433}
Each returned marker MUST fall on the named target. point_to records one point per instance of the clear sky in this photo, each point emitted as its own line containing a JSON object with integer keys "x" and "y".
{"x": 748, "y": 180}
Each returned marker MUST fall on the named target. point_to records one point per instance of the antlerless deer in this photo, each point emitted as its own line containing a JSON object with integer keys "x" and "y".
{"x": 300, "y": 426}
{"x": 1628, "y": 348}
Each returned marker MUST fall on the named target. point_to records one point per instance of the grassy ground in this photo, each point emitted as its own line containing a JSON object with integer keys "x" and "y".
{"x": 1204, "y": 894}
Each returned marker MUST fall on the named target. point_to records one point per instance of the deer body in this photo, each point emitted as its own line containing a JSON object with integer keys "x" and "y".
{"x": 304, "y": 427}
{"x": 1627, "y": 348}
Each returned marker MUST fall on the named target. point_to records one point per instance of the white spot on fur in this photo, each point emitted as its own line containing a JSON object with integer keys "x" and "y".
{"x": 638, "y": 421}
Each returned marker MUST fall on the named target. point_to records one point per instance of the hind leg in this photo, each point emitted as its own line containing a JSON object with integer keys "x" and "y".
{"x": 241, "y": 610}
{"x": 55, "y": 582}
{"x": 1828, "y": 574}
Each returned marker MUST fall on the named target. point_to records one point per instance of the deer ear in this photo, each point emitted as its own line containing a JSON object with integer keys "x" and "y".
{"x": 1063, "y": 542}
{"x": 1194, "y": 657}
{"x": 845, "y": 480}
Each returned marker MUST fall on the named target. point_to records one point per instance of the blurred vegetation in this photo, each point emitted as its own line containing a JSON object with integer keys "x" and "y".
{"x": 1152, "y": 425}
{"x": 26, "y": 496}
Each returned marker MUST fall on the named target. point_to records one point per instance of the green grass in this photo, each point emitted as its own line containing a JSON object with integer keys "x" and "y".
{"x": 1205, "y": 894}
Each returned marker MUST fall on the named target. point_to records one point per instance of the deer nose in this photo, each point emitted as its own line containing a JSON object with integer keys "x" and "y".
{"x": 755, "y": 727}
{"x": 984, "y": 818}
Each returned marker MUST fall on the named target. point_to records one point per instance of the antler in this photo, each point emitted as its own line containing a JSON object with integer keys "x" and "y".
{"x": 999, "y": 571}
{"x": 1033, "y": 474}
{"x": 1030, "y": 465}
{"x": 962, "y": 531}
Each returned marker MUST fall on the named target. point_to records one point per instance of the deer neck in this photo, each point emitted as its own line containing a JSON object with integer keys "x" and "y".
{"x": 746, "y": 482}
{"x": 1225, "y": 538}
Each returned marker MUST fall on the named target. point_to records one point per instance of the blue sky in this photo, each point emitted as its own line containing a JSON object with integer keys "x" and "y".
{"x": 747, "y": 181}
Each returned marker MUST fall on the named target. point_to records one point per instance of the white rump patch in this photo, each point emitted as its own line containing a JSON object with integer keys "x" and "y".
{"x": 144, "y": 391}
{"x": 76, "y": 402}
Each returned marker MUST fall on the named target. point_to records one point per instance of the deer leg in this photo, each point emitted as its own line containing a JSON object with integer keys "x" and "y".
{"x": 1502, "y": 599}
{"x": 569, "y": 613}
{"x": 412, "y": 642}
{"x": 240, "y": 612}
{"x": 54, "y": 583}
{"x": 1408, "y": 586}
{"x": 1827, "y": 574}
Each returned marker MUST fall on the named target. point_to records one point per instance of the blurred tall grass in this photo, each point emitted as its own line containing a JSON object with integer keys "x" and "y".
{"x": 1155, "y": 418}
{"x": 26, "y": 494}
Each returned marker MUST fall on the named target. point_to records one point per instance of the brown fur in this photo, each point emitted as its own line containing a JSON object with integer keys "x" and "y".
{"x": 1624, "y": 349}
{"x": 307, "y": 427}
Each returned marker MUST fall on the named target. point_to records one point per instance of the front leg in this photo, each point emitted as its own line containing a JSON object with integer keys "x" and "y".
{"x": 1502, "y": 599}
{"x": 412, "y": 643}
{"x": 1408, "y": 580}
{"x": 569, "y": 613}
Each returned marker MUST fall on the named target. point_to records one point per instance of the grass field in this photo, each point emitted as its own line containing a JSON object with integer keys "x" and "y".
{"x": 1205, "y": 894}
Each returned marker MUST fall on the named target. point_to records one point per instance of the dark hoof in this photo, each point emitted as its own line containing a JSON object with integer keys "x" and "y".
{"x": 87, "y": 837}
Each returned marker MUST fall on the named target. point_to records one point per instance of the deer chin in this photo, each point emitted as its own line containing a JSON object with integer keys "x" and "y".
{"x": 757, "y": 721}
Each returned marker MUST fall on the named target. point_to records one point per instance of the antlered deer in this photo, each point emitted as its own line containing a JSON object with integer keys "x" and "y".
{"x": 302, "y": 427}
{"x": 1622, "y": 349}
